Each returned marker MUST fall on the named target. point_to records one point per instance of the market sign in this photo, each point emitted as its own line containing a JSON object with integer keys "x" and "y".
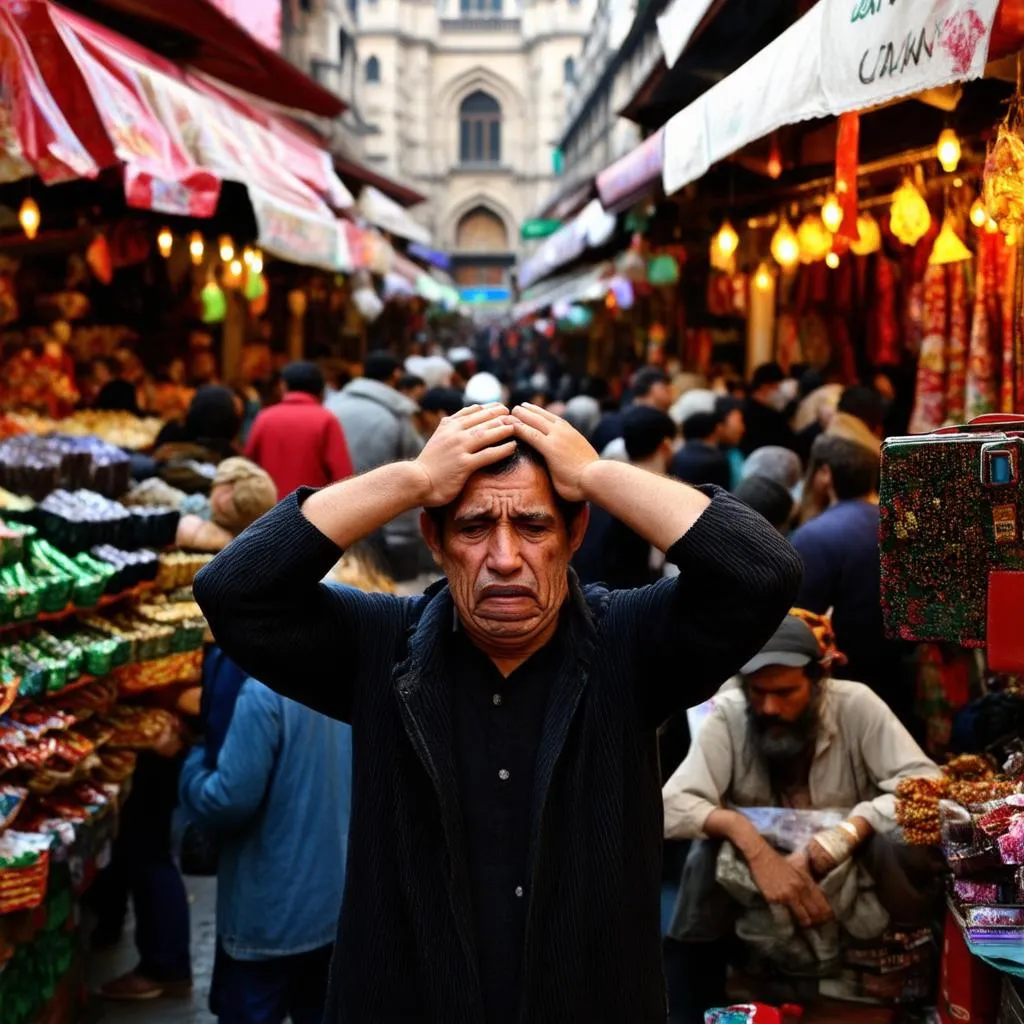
{"x": 538, "y": 228}
{"x": 484, "y": 295}
{"x": 875, "y": 50}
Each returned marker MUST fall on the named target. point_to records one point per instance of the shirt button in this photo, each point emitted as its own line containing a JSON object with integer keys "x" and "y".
{"x": 519, "y": 892}
{"x": 503, "y": 774}
{"x": 496, "y": 700}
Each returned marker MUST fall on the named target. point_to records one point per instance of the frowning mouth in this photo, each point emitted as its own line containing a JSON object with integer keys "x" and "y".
{"x": 499, "y": 592}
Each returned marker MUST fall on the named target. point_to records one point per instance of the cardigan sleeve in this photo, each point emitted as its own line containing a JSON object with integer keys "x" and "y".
{"x": 737, "y": 580}
{"x": 268, "y": 608}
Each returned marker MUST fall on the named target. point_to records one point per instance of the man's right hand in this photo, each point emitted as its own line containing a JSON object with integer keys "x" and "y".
{"x": 471, "y": 439}
{"x": 782, "y": 880}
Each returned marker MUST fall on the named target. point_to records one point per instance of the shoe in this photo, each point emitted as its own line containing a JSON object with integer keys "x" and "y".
{"x": 133, "y": 988}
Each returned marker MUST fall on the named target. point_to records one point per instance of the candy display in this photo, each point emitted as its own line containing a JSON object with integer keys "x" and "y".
{"x": 34, "y": 466}
{"x": 179, "y": 569}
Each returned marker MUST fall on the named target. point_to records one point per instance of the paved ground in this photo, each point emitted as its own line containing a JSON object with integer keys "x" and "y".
{"x": 103, "y": 966}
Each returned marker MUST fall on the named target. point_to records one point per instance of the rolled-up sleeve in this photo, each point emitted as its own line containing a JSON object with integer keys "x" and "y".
{"x": 698, "y": 786}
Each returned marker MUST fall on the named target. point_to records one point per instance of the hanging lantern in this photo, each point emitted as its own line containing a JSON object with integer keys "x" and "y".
{"x": 909, "y": 215}
{"x": 814, "y": 238}
{"x": 227, "y": 248}
{"x": 235, "y": 268}
{"x": 832, "y": 213}
{"x": 948, "y": 248}
{"x": 29, "y": 217}
{"x": 947, "y": 149}
{"x": 832, "y": 260}
{"x": 196, "y": 247}
{"x": 785, "y": 248}
{"x": 774, "y": 166}
{"x": 723, "y": 247}
{"x": 247, "y": 255}
{"x": 763, "y": 277}
{"x": 979, "y": 215}
{"x": 870, "y": 239}
{"x": 663, "y": 270}
{"x": 213, "y": 302}
{"x": 255, "y": 286}
{"x": 165, "y": 242}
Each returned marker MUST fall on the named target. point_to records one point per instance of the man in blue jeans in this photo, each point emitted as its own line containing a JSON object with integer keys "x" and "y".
{"x": 278, "y": 798}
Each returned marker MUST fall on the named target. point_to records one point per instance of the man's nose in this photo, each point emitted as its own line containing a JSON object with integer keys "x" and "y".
{"x": 503, "y": 553}
{"x": 771, "y": 705}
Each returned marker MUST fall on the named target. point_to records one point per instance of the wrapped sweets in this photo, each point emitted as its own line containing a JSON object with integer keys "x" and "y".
{"x": 1011, "y": 842}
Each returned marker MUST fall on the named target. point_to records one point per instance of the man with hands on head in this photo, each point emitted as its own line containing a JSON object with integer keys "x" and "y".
{"x": 504, "y": 859}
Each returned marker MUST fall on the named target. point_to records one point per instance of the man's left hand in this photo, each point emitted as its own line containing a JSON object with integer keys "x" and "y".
{"x": 566, "y": 451}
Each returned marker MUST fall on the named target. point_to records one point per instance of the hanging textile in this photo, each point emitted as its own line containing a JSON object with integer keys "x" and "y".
{"x": 1008, "y": 367}
{"x": 883, "y": 328}
{"x": 959, "y": 339}
{"x": 930, "y": 394}
{"x": 982, "y": 360}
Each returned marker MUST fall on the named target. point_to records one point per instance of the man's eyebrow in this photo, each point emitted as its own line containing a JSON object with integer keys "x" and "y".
{"x": 489, "y": 515}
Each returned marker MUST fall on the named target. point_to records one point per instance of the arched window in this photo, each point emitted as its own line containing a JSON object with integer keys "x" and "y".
{"x": 480, "y": 129}
{"x": 569, "y": 71}
{"x": 479, "y": 8}
{"x": 481, "y": 230}
{"x": 372, "y": 69}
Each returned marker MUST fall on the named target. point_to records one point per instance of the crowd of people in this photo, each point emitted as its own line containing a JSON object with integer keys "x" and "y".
{"x": 694, "y": 513}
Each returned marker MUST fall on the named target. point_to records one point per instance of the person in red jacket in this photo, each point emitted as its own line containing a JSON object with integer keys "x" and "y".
{"x": 298, "y": 442}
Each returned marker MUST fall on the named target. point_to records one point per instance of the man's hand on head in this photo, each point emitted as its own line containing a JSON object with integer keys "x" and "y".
{"x": 566, "y": 451}
{"x": 471, "y": 439}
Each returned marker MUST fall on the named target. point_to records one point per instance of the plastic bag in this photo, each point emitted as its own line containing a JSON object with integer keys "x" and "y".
{"x": 787, "y": 829}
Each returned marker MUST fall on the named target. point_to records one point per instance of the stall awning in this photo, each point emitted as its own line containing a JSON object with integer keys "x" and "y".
{"x": 840, "y": 56}
{"x": 357, "y": 172}
{"x": 589, "y": 285}
{"x": 591, "y": 228}
{"x": 677, "y": 24}
{"x": 178, "y": 139}
{"x": 386, "y": 214}
{"x": 634, "y": 175}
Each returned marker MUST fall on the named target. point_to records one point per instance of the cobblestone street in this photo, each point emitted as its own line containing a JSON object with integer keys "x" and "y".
{"x": 109, "y": 964}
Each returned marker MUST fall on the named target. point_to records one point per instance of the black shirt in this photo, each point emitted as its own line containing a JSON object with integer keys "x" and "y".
{"x": 613, "y": 554}
{"x": 699, "y": 462}
{"x": 765, "y": 427}
{"x": 498, "y": 724}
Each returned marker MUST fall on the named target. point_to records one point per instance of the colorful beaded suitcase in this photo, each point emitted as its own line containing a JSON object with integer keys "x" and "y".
{"x": 952, "y": 537}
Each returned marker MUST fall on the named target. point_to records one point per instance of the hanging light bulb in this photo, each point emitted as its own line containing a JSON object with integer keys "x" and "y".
{"x": 979, "y": 215}
{"x": 774, "y": 165}
{"x": 726, "y": 241}
{"x": 785, "y": 247}
{"x": 196, "y": 247}
{"x": 236, "y": 268}
{"x": 991, "y": 227}
{"x": 227, "y": 248}
{"x": 947, "y": 149}
{"x": 832, "y": 213}
{"x": 247, "y": 255}
{"x": 29, "y": 217}
{"x": 832, "y": 260}
{"x": 763, "y": 277}
{"x": 256, "y": 266}
{"x": 165, "y": 242}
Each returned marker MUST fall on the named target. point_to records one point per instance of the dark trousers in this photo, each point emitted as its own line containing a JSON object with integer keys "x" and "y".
{"x": 142, "y": 867}
{"x": 908, "y": 883}
{"x": 268, "y": 991}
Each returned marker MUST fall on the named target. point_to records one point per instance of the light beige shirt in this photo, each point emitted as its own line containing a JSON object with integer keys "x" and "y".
{"x": 862, "y": 752}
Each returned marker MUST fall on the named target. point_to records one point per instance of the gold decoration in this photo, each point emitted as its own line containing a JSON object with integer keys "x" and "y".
{"x": 814, "y": 238}
{"x": 909, "y": 215}
{"x": 948, "y": 248}
{"x": 870, "y": 239}
{"x": 785, "y": 246}
{"x": 1003, "y": 186}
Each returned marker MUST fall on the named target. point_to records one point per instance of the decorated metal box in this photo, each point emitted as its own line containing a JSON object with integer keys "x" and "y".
{"x": 952, "y": 536}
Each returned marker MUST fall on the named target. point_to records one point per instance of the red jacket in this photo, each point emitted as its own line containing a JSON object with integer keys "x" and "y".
{"x": 300, "y": 444}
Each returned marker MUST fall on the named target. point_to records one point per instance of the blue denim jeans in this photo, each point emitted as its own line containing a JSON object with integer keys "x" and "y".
{"x": 268, "y": 991}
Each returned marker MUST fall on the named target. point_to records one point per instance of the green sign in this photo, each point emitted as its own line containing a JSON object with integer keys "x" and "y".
{"x": 538, "y": 228}
{"x": 557, "y": 162}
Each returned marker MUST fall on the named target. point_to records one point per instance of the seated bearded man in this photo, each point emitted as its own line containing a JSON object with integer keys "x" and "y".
{"x": 786, "y": 735}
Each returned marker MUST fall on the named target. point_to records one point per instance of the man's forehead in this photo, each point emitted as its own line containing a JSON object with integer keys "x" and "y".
{"x": 525, "y": 491}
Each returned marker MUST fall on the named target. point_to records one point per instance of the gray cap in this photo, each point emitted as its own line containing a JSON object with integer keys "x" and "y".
{"x": 775, "y": 463}
{"x": 793, "y": 646}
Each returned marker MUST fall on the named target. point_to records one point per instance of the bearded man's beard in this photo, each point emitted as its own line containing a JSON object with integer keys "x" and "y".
{"x": 779, "y": 741}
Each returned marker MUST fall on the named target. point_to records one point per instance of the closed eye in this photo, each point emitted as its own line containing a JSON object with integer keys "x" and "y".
{"x": 533, "y": 529}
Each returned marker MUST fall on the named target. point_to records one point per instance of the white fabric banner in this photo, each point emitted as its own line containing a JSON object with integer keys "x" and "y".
{"x": 677, "y": 25}
{"x": 873, "y": 51}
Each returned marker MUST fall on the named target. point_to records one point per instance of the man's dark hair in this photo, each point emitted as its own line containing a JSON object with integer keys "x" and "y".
{"x": 699, "y": 426}
{"x": 866, "y": 404}
{"x": 408, "y": 381}
{"x": 446, "y": 400}
{"x": 766, "y": 373}
{"x": 305, "y": 378}
{"x": 768, "y": 497}
{"x": 380, "y": 365}
{"x": 855, "y": 469}
{"x": 645, "y": 378}
{"x": 644, "y": 429}
{"x": 569, "y": 510}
